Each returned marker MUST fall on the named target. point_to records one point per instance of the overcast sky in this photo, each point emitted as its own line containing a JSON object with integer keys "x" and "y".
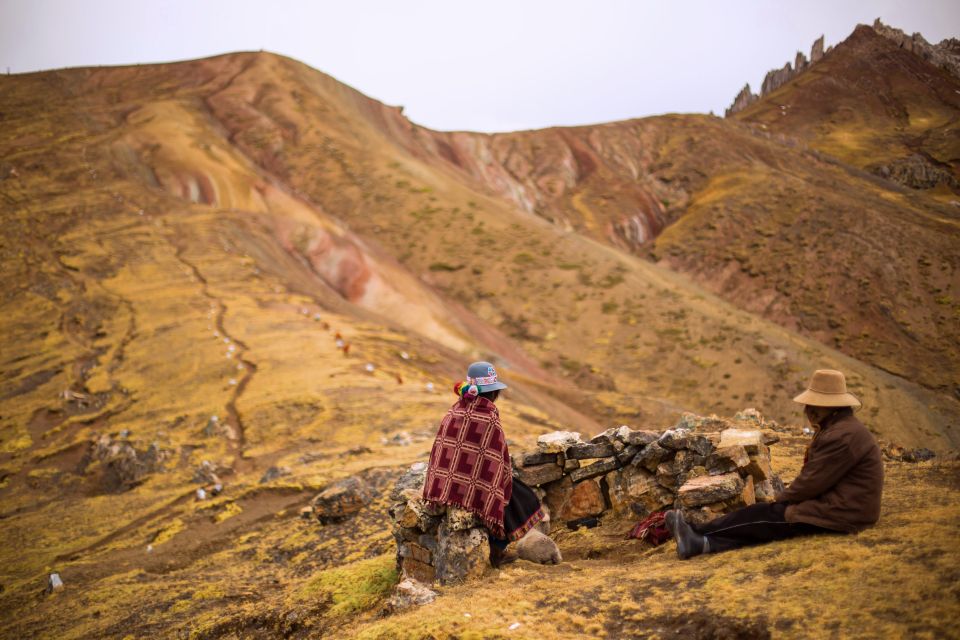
{"x": 484, "y": 65}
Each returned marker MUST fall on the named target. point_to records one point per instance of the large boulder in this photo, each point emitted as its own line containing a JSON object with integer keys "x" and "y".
{"x": 341, "y": 500}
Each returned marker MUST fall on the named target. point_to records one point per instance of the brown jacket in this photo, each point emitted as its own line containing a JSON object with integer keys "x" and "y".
{"x": 841, "y": 480}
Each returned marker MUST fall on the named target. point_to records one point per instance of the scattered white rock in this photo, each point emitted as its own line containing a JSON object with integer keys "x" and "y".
{"x": 404, "y": 355}
{"x": 369, "y": 368}
{"x": 316, "y": 317}
{"x": 411, "y": 593}
{"x": 201, "y": 494}
{"x": 340, "y": 343}
{"x": 149, "y": 548}
{"x": 54, "y": 582}
{"x": 429, "y": 387}
{"x": 233, "y": 382}
{"x": 514, "y": 626}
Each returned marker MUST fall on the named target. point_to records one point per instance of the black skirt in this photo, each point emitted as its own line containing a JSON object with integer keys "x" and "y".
{"x": 523, "y": 512}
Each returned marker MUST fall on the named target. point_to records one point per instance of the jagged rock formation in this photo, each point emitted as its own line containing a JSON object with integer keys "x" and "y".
{"x": 945, "y": 55}
{"x": 777, "y": 78}
{"x": 744, "y": 99}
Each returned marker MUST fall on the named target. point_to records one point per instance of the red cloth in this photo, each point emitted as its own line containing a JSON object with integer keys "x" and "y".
{"x": 469, "y": 464}
{"x": 653, "y": 529}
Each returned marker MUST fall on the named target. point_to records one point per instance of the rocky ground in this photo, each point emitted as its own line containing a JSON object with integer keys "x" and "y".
{"x": 284, "y": 558}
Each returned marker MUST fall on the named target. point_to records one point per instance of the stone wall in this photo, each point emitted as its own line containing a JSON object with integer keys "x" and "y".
{"x": 702, "y": 466}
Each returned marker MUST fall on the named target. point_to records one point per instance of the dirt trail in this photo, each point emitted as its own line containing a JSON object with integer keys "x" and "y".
{"x": 219, "y": 312}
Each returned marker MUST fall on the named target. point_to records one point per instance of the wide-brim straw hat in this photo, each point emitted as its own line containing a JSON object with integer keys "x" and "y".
{"x": 828, "y": 388}
{"x": 484, "y": 375}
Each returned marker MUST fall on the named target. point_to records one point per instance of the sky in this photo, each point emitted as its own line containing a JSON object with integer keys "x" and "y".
{"x": 482, "y": 66}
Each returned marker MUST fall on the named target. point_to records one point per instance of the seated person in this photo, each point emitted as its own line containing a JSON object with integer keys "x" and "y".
{"x": 838, "y": 488}
{"x": 470, "y": 465}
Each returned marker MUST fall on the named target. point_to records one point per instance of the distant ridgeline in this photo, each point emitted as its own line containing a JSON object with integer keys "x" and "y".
{"x": 945, "y": 55}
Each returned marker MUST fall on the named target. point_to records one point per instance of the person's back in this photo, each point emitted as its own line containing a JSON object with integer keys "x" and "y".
{"x": 841, "y": 483}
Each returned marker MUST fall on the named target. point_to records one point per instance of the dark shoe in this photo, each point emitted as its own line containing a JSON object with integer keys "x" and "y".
{"x": 500, "y": 557}
{"x": 689, "y": 542}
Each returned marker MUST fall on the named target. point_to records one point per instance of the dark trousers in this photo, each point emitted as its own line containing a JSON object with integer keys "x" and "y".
{"x": 755, "y": 524}
{"x": 522, "y": 513}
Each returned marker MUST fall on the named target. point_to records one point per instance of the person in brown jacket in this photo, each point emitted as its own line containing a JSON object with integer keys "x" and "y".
{"x": 838, "y": 488}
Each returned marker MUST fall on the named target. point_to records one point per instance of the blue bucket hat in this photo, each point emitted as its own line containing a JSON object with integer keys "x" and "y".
{"x": 484, "y": 376}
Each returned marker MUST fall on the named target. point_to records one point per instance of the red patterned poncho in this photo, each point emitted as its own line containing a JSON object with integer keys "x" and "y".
{"x": 469, "y": 464}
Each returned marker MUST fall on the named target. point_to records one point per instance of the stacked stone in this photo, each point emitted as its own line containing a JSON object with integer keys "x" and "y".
{"x": 703, "y": 466}
{"x": 634, "y": 473}
{"x": 434, "y": 543}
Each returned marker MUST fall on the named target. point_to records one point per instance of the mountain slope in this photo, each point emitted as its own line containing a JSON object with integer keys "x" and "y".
{"x": 246, "y": 238}
{"x": 874, "y": 106}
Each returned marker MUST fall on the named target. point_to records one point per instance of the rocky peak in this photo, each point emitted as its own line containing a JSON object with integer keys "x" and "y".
{"x": 945, "y": 55}
{"x": 777, "y": 78}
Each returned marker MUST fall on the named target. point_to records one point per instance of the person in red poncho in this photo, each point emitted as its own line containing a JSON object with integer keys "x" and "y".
{"x": 470, "y": 465}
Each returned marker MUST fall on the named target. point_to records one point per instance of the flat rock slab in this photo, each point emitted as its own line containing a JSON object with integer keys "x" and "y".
{"x": 749, "y": 440}
{"x": 558, "y": 441}
{"x": 585, "y": 451}
{"x": 540, "y": 474}
{"x": 533, "y": 458}
{"x": 598, "y": 468}
{"x": 709, "y": 489}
